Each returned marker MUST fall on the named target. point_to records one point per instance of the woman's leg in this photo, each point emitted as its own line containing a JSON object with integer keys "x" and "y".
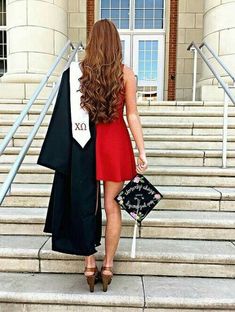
{"x": 113, "y": 221}
{"x": 90, "y": 263}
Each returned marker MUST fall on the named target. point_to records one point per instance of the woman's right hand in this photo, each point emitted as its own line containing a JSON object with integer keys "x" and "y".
{"x": 142, "y": 163}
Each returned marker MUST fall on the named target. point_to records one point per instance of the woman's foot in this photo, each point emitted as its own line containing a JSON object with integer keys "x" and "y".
{"x": 91, "y": 272}
{"x": 106, "y": 273}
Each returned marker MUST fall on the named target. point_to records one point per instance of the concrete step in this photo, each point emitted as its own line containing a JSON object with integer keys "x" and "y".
{"x": 174, "y": 197}
{"x": 143, "y": 102}
{"x": 159, "y": 157}
{"x": 179, "y": 142}
{"x": 177, "y": 257}
{"x": 50, "y": 292}
{"x": 168, "y": 128}
{"x": 9, "y": 112}
{"x": 16, "y": 108}
{"x": 158, "y": 175}
{"x": 158, "y": 224}
{"x": 152, "y": 117}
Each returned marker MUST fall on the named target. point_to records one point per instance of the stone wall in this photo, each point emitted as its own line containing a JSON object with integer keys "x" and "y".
{"x": 190, "y": 28}
{"x": 77, "y": 21}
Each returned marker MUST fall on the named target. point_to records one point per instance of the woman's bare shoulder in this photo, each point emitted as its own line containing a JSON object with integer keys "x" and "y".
{"x": 128, "y": 73}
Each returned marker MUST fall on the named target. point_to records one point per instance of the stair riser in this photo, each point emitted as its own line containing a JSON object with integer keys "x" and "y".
{"x": 165, "y": 204}
{"x": 89, "y": 307}
{"x": 189, "y": 145}
{"x": 158, "y": 267}
{"x": 20, "y": 307}
{"x": 185, "y": 131}
{"x": 160, "y": 161}
{"x": 144, "y": 117}
{"x": 15, "y": 109}
{"x": 146, "y": 131}
{"x": 159, "y": 179}
{"x": 127, "y": 231}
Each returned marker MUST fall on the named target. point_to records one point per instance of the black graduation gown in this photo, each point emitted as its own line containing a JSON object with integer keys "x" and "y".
{"x": 72, "y": 215}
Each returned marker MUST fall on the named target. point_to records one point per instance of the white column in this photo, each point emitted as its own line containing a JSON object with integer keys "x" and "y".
{"x": 219, "y": 33}
{"x": 36, "y": 32}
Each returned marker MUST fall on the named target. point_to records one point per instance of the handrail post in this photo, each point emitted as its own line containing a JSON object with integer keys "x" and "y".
{"x": 194, "y": 72}
{"x": 225, "y": 132}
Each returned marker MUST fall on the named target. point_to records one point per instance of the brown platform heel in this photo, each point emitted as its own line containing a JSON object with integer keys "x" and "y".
{"x": 106, "y": 278}
{"x": 92, "y": 279}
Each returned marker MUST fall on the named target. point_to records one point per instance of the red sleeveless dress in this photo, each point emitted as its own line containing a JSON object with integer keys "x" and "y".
{"x": 115, "y": 160}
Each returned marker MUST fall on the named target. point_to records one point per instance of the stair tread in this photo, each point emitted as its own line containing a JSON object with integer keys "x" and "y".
{"x": 147, "y": 249}
{"x": 152, "y": 169}
{"x": 167, "y": 191}
{"x": 144, "y": 123}
{"x": 69, "y": 289}
{"x": 143, "y": 111}
{"x": 155, "y": 218}
{"x": 149, "y": 291}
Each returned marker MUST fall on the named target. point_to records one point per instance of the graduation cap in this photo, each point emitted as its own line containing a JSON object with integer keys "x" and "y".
{"x": 138, "y": 198}
{"x": 79, "y": 115}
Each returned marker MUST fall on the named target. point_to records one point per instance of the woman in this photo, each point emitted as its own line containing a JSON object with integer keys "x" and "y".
{"x": 106, "y": 84}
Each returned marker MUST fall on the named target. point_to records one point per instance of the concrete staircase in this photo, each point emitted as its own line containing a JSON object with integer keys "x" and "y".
{"x": 185, "y": 256}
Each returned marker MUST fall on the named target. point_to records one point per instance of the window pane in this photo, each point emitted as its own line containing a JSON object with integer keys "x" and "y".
{"x": 139, "y": 3}
{"x": 149, "y": 3}
{"x": 139, "y": 24}
{"x": 115, "y": 4}
{"x": 159, "y": 4}
{"x": 124, "y": 24}
{"x": 148, "y": 55}
{"x": 149, "y": 23}
{"x": 105, "y": 13}
{"x": 158, "y": 23}
{"x": 141, "y": 75}
{"x": 114, "y": 13}
{"x": 141, "y": 65}
{"x": 141, "y": 54}
{"x": 116, "y": 22}
{"x": 105, "y": 3}
{"x": 1, "y": 50}
{"x": 139, "y": 13}
{"x": 141, "y": 44}
{"x": 158, "y": 13}
{"x": 148, "y": 13}
{"x": 148, "y": 45}
{"x": 125, "y": 3}
{"x": 124, "y": 13}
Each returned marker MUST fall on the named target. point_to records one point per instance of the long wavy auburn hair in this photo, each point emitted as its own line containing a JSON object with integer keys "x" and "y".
{"x": 102, "y": 83}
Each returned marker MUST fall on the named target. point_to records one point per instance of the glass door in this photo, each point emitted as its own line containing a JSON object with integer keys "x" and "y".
{"x": 148, "y": 63}
{"x": 126, "y": 52}
{"x": 141, "y": 26}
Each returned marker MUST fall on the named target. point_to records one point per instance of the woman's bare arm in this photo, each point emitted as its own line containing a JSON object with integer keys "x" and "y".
{"x": 132, "y": 114}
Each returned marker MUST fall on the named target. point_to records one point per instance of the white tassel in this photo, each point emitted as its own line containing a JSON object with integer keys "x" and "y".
{"x": 133, "y": 246}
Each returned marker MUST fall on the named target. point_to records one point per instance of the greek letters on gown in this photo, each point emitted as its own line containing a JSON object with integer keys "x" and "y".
{"x": 74, "y": 210}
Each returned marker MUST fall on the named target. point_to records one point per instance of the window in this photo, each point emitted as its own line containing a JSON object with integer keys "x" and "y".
{"x": 147, "y": 14}
{"x": 148, "y": 59}
{"x": 3, "y": 38}
{"x": 117, "y": 11}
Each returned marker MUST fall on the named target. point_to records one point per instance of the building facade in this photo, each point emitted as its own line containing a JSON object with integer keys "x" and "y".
{"x": 155, "y": 35}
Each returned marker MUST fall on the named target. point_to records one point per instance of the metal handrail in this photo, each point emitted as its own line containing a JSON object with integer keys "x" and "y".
{"x": 14, "y": 169}
{"x": 227, "y": 92}
{"x": 228, "y": 71}
{"x": 217, "y": 76}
